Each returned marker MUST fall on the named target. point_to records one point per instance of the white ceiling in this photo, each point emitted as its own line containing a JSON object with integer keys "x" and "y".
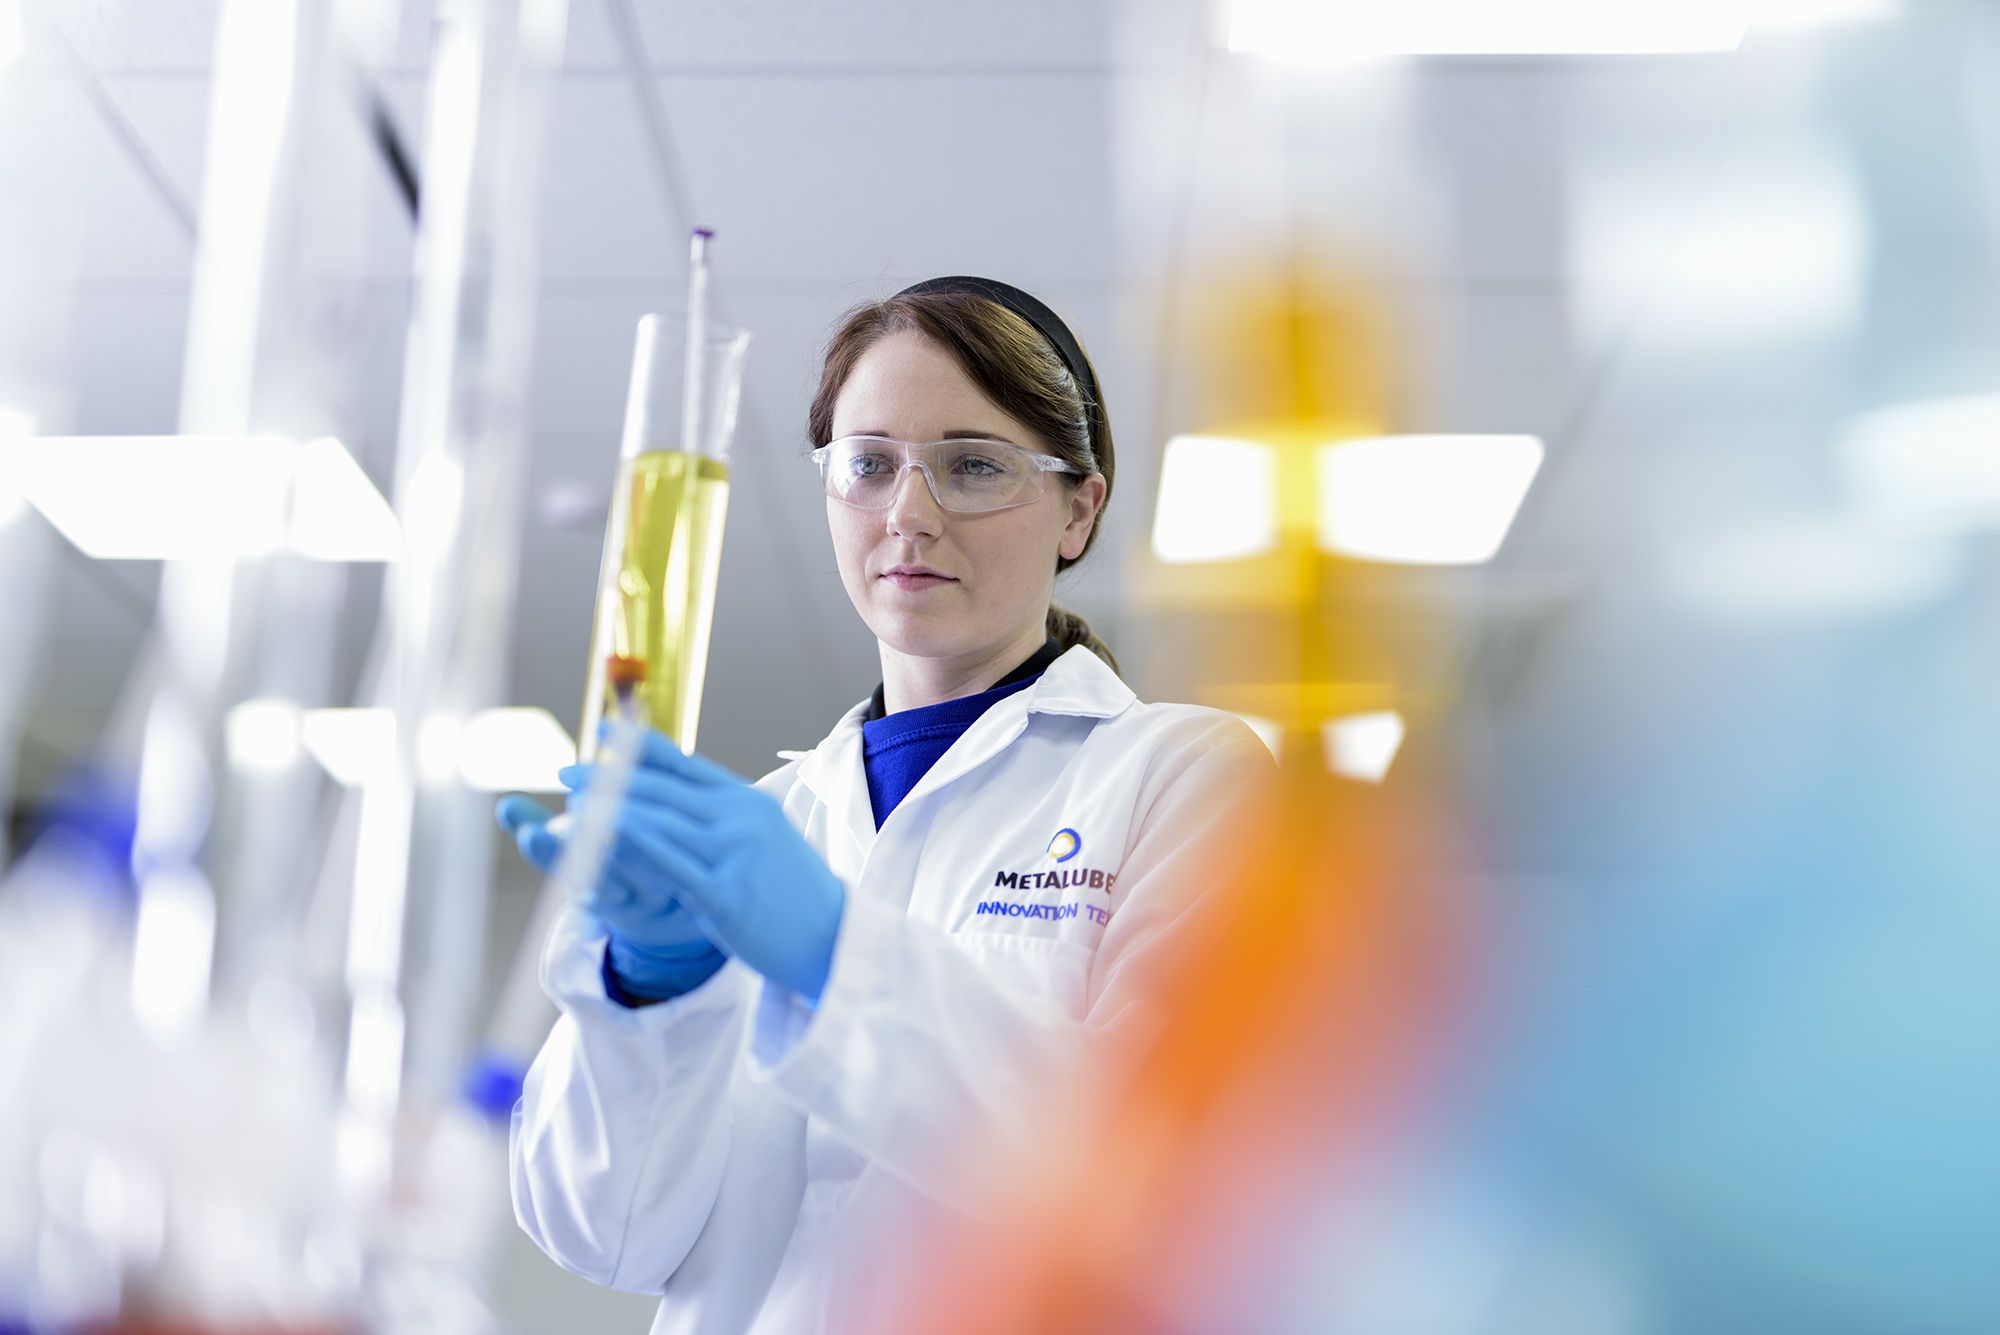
{"x": 1100, "y": 153}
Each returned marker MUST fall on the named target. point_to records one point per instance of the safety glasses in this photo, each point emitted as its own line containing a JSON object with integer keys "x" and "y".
{"x": 965, "y": 476}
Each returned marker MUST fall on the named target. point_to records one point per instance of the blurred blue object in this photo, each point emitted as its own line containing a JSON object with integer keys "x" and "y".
{"x": 92, "y": 818}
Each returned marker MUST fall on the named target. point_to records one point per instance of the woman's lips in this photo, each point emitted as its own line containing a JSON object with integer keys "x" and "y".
{"x": 906, "y": 581}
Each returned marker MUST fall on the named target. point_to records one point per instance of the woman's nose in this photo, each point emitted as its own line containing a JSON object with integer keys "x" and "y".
{"x": 915, "y": 511}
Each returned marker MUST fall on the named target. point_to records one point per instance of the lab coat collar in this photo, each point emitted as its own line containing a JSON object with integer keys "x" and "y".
{"x": 1079, "y": 684}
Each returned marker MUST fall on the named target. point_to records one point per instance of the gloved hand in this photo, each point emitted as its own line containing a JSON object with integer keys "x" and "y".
{"x": 656, "y": 948}
{"x": 726, "y": 851}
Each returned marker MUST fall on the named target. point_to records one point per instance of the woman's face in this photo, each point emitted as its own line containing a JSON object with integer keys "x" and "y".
{"x": 999, "y": 566}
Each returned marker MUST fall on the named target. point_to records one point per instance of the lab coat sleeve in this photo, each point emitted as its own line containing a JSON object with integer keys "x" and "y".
{"x": 621, "y": 1136}
{"x": 911, "y": 1041}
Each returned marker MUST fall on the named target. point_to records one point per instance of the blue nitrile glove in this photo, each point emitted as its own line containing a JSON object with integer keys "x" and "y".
{"x": 656, "y": 948}
{"x": 757, "y": 888}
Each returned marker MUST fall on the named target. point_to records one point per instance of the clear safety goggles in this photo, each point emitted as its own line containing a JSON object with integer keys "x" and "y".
{"x": 965, "y": 476}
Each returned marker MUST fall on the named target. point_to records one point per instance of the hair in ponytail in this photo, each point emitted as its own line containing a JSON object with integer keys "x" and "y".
{"x": 1068, "y": 629}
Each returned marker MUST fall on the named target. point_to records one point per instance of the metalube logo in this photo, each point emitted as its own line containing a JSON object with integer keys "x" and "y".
{"x": 1063, "y": 847}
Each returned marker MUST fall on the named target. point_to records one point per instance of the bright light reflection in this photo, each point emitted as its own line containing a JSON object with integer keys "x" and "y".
{"x": 1809, "y": 568}
{"x": 1423, "y": 500}
{"x": 499, "y": 750}
{"x": 355, "y": 746}
{"x": 1267, "y": 730}
{"x": 515, "y": 750}
{"x": 337, "y": 514}
{"x": 1218, "y": 500}
{"x": 262, "y": 735}
{"x": 434, "y": 502}
{"x": 1927, "y": 467}
{"x": 1363, "y": 746}
{"x": 171, "y": 944}
{"x": 163, "y": 498}
{"x": 1774, "y": 245}
{"x": 1336, "y": 31}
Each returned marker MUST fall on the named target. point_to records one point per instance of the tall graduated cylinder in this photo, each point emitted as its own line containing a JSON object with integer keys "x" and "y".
{"x": 663, "y": 538}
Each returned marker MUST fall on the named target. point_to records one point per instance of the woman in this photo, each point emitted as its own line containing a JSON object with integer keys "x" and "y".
{"x": 837, "y": 997}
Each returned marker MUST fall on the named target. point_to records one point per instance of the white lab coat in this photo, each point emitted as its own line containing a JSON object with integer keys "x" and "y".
{"x": 738, "y": 1152}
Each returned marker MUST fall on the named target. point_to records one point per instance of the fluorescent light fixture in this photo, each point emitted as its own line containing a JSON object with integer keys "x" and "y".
{"x": 1337, "y": 31}
{"x": 263, "y": 735}
{"x": 515, "y": 750}
{"x": 11, "y": 41}
{"x": 1422, "y": 500}
{"x": 337, "y": 514}
{"x": 355, "y": 746}
{"x": 1363, "y": 746}
{"x": 1927, "y": 467}
{"x": 499, "y": 750}
{"x": 1810, "y": 568}
{"x": 159, "y": 498}
{"x": 1775, "y": 245}
{"x": 1218, "y": 500}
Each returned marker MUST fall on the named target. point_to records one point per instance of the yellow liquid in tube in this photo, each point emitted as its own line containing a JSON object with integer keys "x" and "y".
{"x": 656, "y": 591}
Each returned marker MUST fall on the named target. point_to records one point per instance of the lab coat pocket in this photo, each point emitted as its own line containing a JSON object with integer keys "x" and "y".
{"x": 1036, "y": 966}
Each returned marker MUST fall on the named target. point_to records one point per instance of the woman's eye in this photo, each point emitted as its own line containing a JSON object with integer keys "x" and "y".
{"x": 976, "y": 466}
{"x": 867, "y": 465}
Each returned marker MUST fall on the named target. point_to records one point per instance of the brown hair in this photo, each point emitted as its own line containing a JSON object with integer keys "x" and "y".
{"x": 1014, "y": 366}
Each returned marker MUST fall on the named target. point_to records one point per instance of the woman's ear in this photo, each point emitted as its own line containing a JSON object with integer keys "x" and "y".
{"x": 1085, "y": 500}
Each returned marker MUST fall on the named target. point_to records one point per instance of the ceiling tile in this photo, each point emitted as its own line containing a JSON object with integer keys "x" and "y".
{"x": 899, "y": 34}
{"x": 120, "y": 35}
{"x": 604, "y": 214}
{"x": 127, "y": 36}
{"x": 835, "y": 178}
{"x": 590, "y": 43}
{"x": 356, "y": 223}
{"x": 170, "y": 115}
{"x": 1492, "y": 357}
{"x": 1492, "y": 145}
{"x": 84, "y": 210}
{"x": 126, "y": 352}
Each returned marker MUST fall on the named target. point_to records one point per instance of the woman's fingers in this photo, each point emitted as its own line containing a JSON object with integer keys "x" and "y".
{"x": 528, "y": 821}
{"x": 655, "y": 852}
{"x": 661, "y": 822}
{"x": 658, "y": 752}
{"x": 652, "y": 787}
{"x": 518, "y": 809}
{"x": 669, "y": 865}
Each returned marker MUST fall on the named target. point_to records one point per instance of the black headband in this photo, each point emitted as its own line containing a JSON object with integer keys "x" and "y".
{"x": 1036, "y": 313}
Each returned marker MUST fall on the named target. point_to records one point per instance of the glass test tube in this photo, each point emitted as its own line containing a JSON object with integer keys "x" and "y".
{"x": 663, "y": 538}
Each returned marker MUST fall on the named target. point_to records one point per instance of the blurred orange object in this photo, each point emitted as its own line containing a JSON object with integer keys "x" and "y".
{"x": 1285, "y": 1040}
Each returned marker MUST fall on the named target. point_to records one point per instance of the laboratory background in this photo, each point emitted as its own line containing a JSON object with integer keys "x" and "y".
{"x": 1568, "y": 434}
